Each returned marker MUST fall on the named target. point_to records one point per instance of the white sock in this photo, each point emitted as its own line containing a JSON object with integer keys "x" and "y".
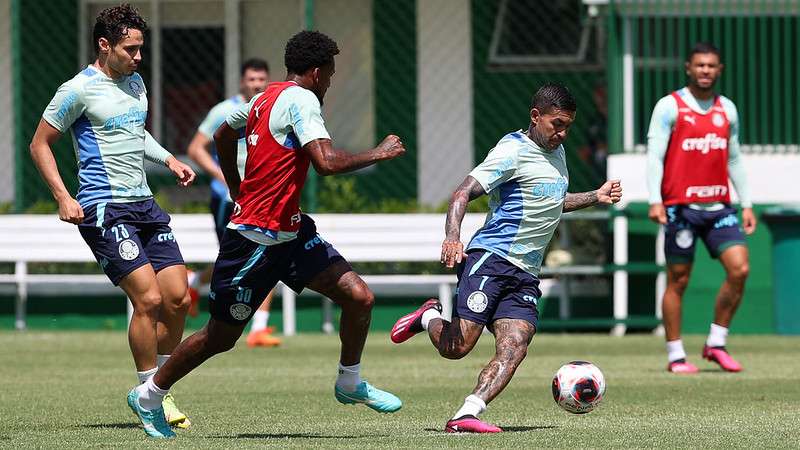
{"x": 717, "y": 336}
{"x": 349, "y": 377}
{"x": 150, "y": 395}
{"x": 161, "y": 360}
{"x": 472, "y": 407}
{"x": 145, "y": 375}
{"x": 429, "y": 315}
{"x": 675, "y": 350}
{"x": 260, "y": 319}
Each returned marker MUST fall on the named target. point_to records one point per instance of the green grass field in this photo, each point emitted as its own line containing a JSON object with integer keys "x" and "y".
{"x": 67, "y": 389}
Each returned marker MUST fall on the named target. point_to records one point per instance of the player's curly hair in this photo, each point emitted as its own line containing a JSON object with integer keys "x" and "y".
{"x": 553, "y": 96}
{"x": 113, "y": 24}
{"x": 307, "y": 50}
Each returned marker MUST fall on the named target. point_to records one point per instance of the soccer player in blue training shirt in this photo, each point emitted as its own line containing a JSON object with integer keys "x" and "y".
{"x": 105, "y": 108}
{"x": 526, "y": 176}
{"x": 254, "y": 79}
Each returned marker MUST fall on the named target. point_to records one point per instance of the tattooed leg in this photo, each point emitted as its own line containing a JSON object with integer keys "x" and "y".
{"x": 352, "y": 294}
{"x": 512, "y": 337}
{"x": 455, "y": 339}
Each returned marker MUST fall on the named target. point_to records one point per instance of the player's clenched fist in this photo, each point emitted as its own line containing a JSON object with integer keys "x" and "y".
{"x": 69, "y": 210}
{"x": 392, "y": 147}
{"x": 452, "y": 253}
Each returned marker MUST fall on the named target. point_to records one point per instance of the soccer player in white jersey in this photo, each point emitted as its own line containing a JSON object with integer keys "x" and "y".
{"x": 254, "y": 79}
{"x": 526, "y": 176}
{"x": 692, "y": 151}
{"x": 104, "y": 107}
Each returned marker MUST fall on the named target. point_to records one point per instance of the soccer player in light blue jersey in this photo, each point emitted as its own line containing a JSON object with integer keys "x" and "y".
{"x": 526, "y": 176}
{"x": 104, "y": 108}
{"x": 254, "y": 79}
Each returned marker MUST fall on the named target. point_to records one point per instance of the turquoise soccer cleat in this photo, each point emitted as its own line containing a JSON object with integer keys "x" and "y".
{"x": 154, "y": 422}
{"x": 374, "y": 398}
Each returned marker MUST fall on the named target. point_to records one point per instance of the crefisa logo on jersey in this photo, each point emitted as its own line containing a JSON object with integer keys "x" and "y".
{"x": 704, "y": 144}
{"x": 128, "y": 250}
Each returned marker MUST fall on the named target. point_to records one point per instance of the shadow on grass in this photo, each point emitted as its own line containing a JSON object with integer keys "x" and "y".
{"x": 293, "y": 435}
{"x": 508, "y": 429}
{"x": 110, "y": 425}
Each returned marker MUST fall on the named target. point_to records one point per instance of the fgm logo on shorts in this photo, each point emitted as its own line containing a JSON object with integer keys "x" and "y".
{"x": 128, "y": 250}
{"x": 477, "y": 302}
{"x": 706, "y": 191}
{"x": 704, "y": 144}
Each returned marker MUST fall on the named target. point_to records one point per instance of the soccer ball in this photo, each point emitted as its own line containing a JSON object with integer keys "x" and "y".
{"x": 578, "y": 387}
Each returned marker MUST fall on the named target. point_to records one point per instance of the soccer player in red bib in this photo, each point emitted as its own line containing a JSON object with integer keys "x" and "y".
{"x": 692, "y": 151}
{"x": 268, "y": 238}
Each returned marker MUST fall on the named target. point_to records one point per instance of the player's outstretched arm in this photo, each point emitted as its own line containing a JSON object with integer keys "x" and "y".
{"x": 452, "y": 248}
{"x": 610, "y": 192}
{"x": 199, "y": 151}
{"x": 226, "y": 139}
{"x": 42, "y": 153}
{"x": 329, "y": 161}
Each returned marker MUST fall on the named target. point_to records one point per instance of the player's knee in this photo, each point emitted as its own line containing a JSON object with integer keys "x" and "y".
{"x": 149, "y": 303}
{"x": 453, "y": 351}
{"x": 363, "y": 298}
{"x": 739, "y": 273}
{"x": 680, "y": 281}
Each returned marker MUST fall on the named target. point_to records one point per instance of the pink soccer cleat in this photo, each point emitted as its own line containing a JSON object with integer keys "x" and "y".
{"x": 411, "y": 323}
{"x": 720, "y": 356}
{"x": 681, "y": 366}
{"x": 470, "y": 424}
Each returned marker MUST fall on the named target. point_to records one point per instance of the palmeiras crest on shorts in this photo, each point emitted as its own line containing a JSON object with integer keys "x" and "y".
{"x": 128, "y": 250}
{"x": 684, "y": 238}
{"x": 240, "y": 311}
{"x": 718, "y": 120}
{"x": 477, "y": 302}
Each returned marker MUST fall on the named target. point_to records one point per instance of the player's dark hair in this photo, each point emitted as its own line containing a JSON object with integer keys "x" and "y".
{"x": 553, "y": 96}
{"x": 703, "y": 47}
{"x": 256, "y": 64}
{"x": 308, "y": 50}
{"x": 113, "y": 24}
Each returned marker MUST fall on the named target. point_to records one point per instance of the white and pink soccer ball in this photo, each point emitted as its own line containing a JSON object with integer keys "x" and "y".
{"x": 578, "y": 387}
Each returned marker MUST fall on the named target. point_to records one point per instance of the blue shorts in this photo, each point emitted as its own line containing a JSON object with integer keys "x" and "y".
{"x": 126, "y": 236}
{"x": 221, "y": 209}
{"x": 491, "y": 288}
{"x": 245, "y": 271}
{"x": 719, "y": 230}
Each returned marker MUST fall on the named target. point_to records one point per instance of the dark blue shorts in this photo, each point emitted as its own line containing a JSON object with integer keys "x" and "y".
{"x": 126, "y": 236}
{"x": 491, "y": 288}
{"x": 245, "y": 271}
{"x": 221, "y": 209}
{"x": 719, "y": 230}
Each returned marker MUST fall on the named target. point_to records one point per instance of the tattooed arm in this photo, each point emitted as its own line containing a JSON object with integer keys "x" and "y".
{"x": 610, "y": 192}
{"x": 452, "y": 248}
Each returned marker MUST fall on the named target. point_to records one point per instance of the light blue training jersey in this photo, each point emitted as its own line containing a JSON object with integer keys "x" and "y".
{"x": 106, "y": 119}
{"x": 213, "y": 120}
{"x": 527, "y": 186}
